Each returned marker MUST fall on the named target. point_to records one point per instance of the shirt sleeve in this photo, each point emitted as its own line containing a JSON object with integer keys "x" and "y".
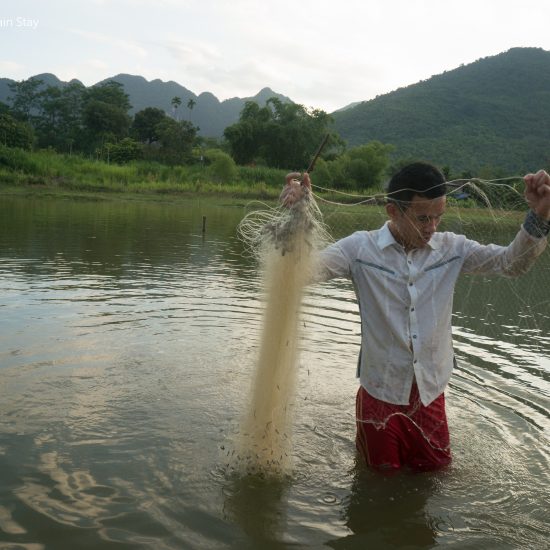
{"x": 334, "y": 261}
{"x": 510, "y": 261}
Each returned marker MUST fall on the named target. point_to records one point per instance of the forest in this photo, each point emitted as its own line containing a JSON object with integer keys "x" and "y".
{"x": 486, "y": 120}
{"x": 490, "y": 116}
{"x": 95, "y": 123}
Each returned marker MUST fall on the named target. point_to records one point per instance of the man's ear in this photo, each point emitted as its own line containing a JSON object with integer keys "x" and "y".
{"x": 392, "y": 210}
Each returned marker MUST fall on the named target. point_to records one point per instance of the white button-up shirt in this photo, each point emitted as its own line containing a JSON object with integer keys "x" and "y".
{"x": 406, "y": 299}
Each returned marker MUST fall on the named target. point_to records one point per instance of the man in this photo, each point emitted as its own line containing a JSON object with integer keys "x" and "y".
{"x": 404, "y": 276}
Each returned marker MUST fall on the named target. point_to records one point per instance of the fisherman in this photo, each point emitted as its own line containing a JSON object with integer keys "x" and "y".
{"x": 404, "y": 275}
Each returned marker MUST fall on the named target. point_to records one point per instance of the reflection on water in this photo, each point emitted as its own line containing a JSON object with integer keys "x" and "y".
{"x": 388, "y": 511}
{"x": 127, "y": 343}
{"x": 258, "y": 506}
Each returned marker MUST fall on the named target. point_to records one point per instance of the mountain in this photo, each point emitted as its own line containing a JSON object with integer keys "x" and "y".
{"x": 211, "y": 115}
{"x": 48, "y": 79}
{"x": 493, "y": 112}
{"x": 349, "y": 106}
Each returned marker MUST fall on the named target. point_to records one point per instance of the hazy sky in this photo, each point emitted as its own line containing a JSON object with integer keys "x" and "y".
{"x": 319, "y": 53}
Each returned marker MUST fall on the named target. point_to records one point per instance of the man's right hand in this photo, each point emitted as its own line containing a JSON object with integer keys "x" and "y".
{"x": 294, "y": 189}
{"x": 537, "y": 193}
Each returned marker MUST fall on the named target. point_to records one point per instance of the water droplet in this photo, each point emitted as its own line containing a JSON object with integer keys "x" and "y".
{"x": 329, "y": 498}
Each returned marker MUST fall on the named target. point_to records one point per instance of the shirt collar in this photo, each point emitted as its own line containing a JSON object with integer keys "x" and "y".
{"x": 385, "y": 238}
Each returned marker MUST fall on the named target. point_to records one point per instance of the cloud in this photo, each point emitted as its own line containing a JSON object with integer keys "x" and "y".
{"x": 129, "y": 46}
{"x": 192, "y": 54}
{"x": 316, "y": 52}
{"x": 11, "y": 67}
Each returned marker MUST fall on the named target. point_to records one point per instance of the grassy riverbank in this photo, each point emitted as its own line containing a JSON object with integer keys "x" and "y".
{"x": 49, "y": 173}
{"x": 33, "y": 171}
{"x": 46, "y": 173}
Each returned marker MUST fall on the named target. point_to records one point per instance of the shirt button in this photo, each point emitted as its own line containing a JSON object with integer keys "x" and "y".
{"x": 410, "y": 284}
{"x": 409, "y": 262}
{"x": 415, "y": 361}
{"x": 412, "y": 308}
{"x": 414, "y": 336}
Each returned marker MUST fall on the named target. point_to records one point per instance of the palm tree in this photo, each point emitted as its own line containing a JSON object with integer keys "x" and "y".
{"x": 190, "y": 104}
{"x": 176, "y": 102}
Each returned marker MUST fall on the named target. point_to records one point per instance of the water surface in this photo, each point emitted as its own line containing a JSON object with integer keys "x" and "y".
{"x": 127, "y": 344}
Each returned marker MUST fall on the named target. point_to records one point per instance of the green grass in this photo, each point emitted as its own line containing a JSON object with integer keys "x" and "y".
{"x": 31, "y": 170}
{"x": 46, "y": 172}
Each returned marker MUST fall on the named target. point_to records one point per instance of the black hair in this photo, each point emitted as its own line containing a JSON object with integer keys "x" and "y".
{"x": 418, "y": 178}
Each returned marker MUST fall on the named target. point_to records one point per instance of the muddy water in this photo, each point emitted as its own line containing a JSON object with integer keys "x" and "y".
{"x": 127, "y": 343}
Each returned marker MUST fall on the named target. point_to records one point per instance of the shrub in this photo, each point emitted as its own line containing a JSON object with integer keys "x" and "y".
{"x": 124, "y": 151}
{"x": 222, "y": 167}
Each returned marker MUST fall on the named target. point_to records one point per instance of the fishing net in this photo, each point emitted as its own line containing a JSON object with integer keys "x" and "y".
{"x": 286, "y": 242}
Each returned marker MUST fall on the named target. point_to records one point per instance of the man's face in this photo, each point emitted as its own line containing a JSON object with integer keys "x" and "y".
{"x": 414, "y": 227}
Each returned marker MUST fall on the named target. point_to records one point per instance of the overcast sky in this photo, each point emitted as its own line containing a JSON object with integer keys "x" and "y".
{"x": 319, "y": 53}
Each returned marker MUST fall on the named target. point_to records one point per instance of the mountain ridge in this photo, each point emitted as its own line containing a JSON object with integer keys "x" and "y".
{"x": 492, "y": 112}
{"x": 209, "y": 113}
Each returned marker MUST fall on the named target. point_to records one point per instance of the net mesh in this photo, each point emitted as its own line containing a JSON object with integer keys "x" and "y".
{"x": 490, "y": 211}
{"x": 287, "y": 242}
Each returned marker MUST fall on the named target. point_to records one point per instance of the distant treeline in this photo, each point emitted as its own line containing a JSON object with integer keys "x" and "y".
{"x": 94, "y": 123}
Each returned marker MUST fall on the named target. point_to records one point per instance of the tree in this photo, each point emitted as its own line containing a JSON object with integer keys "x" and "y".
{"x": 145, "y": 124}
{"x": 26, "y": 99}
{"x": 103, "y": 119}
{"x": 361, "y": 167}
{"x": 368, "y": 164}
{"x": 73, "y": 95}
{"x": 105, "y": 114}
{"x": 190, "y": 105}
{"x": 176, "y": 102}
{"x": 283, "y": 135}
{"x": 176, "y": 139}
{"x": 14, "y": 133}
{"x": 109, "y": 92}
{"x": 49, "y": 121}
{"x": 59, "y": 123}
{"x": 55, "y": 112}
{"x": 321, "y": 174}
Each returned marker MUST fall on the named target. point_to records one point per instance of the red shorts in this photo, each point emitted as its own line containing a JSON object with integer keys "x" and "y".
{"x": 391, "y": 436}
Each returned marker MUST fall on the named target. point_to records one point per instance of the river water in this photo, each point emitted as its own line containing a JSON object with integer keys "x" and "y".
{"x": 127, "y": 343}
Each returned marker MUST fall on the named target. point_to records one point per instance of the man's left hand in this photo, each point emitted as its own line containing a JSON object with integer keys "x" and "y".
{"x": 537, "y": 193}
{"x": 294, "y": 189}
